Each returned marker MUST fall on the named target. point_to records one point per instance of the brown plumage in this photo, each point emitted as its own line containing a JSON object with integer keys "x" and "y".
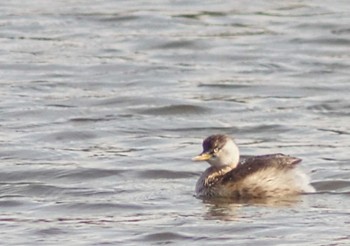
{"x": 254, "y": 164}
{"x": 274, "y": 175}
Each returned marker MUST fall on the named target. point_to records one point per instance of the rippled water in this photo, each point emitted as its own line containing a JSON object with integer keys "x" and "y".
{"x": 103, "y": 104}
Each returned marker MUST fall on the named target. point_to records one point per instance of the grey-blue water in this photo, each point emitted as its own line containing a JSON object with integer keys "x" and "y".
{"x": 103, "y": 104}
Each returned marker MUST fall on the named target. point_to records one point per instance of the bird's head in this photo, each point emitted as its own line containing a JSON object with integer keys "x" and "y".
{"x": 219, "y": 151}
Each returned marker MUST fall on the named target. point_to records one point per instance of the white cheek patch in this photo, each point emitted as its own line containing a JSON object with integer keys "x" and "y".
{"x": 228, "y": 155}
{"x": 214, "y": 161}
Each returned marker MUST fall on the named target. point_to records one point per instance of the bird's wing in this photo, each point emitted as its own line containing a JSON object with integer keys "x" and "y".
{"x": 252, "y": 164}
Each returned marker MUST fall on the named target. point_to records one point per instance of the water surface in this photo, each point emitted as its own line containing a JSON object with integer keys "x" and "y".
{"x": 103, "y": 104}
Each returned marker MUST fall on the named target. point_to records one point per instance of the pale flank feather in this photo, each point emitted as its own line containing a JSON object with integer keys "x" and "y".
{"x": 270, "y": 182}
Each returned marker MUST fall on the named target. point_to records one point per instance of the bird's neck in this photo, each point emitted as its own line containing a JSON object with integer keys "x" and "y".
{"x": 219, "y": 171}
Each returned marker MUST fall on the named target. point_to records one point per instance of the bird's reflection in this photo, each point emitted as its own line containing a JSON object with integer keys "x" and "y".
{"x": 228, "y": 209}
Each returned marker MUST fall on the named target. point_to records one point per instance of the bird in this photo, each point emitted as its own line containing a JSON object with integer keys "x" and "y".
{"x": 247, "y": 177}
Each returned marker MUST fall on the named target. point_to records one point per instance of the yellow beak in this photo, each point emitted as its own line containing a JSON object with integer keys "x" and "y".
{"x": 202, "y": 157}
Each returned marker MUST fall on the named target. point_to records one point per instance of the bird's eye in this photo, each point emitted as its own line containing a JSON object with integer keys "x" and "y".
{"x": 215, "y": 151}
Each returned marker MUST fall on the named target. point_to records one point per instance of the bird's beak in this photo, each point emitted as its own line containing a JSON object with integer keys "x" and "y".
{"x": 202, "y": 157}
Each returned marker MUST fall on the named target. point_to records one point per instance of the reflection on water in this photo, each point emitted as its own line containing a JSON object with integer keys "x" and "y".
{"x": 228, "y": 209}
{"x": 103, "y": 103}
